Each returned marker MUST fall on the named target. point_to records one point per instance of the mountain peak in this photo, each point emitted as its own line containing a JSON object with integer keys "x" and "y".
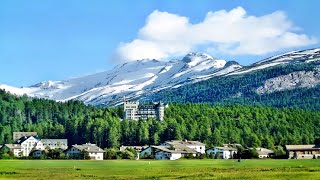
{"x": 193, "y": 56}
{"x": 202, "y": 59}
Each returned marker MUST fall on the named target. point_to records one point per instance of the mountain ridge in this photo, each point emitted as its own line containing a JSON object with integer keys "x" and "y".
{"x": 129, "y": 79}
{"x": 142, "y": 78}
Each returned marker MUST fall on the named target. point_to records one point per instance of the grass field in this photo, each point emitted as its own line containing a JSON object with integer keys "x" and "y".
{"x": 151, "y": 169}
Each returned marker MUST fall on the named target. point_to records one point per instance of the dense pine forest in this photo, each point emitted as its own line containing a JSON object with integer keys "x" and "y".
{"x": 249, "y": 125}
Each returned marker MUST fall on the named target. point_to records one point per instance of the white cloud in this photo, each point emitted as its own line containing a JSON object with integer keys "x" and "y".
{"x": 229, "y": 32}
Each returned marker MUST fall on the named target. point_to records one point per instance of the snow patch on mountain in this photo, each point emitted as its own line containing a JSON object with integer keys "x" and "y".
{"x": 250, "y": 69}
{"x": 302, "y": 56}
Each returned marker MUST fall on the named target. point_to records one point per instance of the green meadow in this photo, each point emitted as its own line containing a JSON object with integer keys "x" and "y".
{"x": 151, "y": 169}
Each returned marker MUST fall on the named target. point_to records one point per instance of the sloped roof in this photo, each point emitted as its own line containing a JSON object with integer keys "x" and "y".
{"x": 91, "y": 148}
{"x": 185, "y": 142}
{"x": 302, "y": 147}
{"x": 224, "y": 148}
{"x": 165, "y": 149}
{"x": 24, "y": 138}
{"x": 13, "y": 146}
{"x": 137, "y": 148}
{"x": 185, "y": 148}
{"x": 263, "y": 151}
{"x": 177, "y": 149}
{"x": 54, "y": 141}
{"x": 232, "y": 145}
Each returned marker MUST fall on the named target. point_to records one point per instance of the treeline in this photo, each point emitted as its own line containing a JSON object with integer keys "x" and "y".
{"x": 250, "y": 126}
{"x": 110, "y": 153}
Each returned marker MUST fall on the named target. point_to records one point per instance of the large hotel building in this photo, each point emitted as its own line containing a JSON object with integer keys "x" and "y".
{"x": 134, "y": 110}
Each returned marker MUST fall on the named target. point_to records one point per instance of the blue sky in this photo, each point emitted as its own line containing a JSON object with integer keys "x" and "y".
{"x": 56, "y": 40}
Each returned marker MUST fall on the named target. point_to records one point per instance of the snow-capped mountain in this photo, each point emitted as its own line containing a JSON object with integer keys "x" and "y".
{"x": 145, "y": 78}
{"x": 128, "y": 80}
{"x": 287, "y": 80}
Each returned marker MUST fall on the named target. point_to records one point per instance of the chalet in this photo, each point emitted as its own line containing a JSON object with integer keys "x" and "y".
{"x": 28, "y": 144}
{"x": 168, "y": 153}
{"x": 195, "y": 145}
{"x": 175, "y": 149}
{"x": 94, "y": 152}
{"x": 222, "y": 152}
{"x": 264, "y": 152}
{"x": 303, "y": 151}
{"x": 23, "y": 146}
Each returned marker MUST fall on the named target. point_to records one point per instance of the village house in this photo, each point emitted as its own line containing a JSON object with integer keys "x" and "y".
{"x": 196, "y": 145}
{"x": 94, "y": 152}
{"x": 164, "y": 153}
{"x": 23, "y": 146}
{"x": 32, "y": 145}
{"x": 222, "y": 152}
{"x": 55, "y": 143}
{"x": 15, "y": 148}
{"x": 303, "y": 151}
{"x": 264, "y": 152}
{"x": 29, "y": 143}
{"x": 175, "y": 149}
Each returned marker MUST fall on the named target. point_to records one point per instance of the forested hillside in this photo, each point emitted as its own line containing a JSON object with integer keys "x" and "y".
{"x": 214, "y": 125}
{"x": 242, "y": 89}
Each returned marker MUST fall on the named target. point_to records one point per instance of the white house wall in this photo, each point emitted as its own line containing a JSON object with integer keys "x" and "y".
{"x": 96, "y": 156}
{"x": 226, "y": 154}
{"x": 17, "y": 152}
{"x": 199, "y": 149}
{"x": 175, "y": 156}
{"x": 28, "y": 145}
